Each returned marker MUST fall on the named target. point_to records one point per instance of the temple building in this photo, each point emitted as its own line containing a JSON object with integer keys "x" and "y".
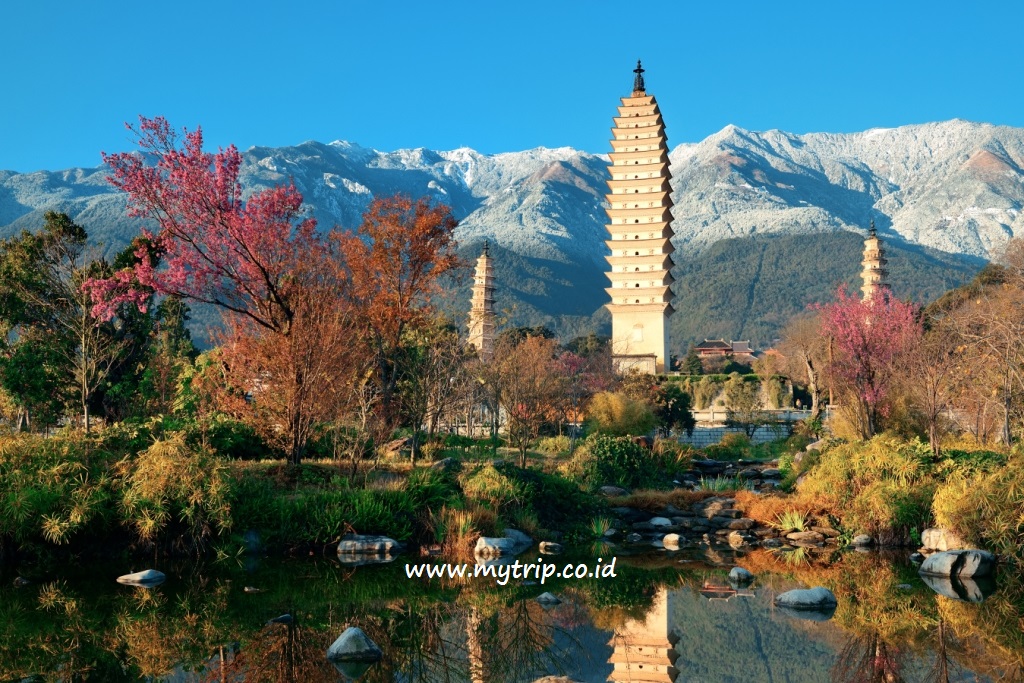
{"x": 874, "y": 273}
{"x": 481, "y": 312}
{"x": 640, "y": 231}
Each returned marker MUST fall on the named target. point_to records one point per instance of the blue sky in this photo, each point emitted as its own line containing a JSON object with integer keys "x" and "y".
{"x": 495, "y": 76}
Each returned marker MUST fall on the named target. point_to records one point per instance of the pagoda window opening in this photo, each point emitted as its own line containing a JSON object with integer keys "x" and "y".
{"x": 637, "y": 284}
{"x": 638, "y": 300}
{"x": 636, "y": 254}
{"x": 637, "y": 270}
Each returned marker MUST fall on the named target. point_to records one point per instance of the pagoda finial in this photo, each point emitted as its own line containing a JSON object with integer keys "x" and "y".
{"x": 638, "y": 81}
{"x": 871, "y": 231}
{"x": 487, "y": 249}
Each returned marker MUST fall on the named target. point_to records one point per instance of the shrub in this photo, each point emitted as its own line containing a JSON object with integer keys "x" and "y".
{"x": 554, "y": 445}
{"x": 617, "y": 414}
{"x": 704, "y": 392}
{"x": 493, "y": 488}
{"x": 618, "y": 461}
{"x": 733, "y": 446}
{"x": 790, "y": 520}
{"x": 984, "y": 503}
{"x": 672, "y": 457}
{"x": 882, "y": 487}
{"x": 722, "y": 484}
{"x": 171, "y": 483}
{"x": 53, "y": 488}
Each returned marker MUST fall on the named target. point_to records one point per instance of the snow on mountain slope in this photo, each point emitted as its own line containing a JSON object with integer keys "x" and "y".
{"x": 954, "y": 186}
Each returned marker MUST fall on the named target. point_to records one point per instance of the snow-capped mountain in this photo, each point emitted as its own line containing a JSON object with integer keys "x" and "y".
{"x": 954, "y": 186}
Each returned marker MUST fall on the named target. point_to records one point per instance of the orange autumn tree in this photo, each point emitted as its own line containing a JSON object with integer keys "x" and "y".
{"x": 393, "y": 267}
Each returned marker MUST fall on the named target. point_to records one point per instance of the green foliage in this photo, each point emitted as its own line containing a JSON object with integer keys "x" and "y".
{"x": 704, "y": 392}
{"x": 617, "y": 461}
{"x": 882, "y": 487}
{"x": 722, "y": 484}
{"x": 792, "y": 520}
{"x": 496, "y": 489}
{"x": 733, "y": 446}
{"x": 672, "y": 408}
{"x": 749, "y": 288}
{"x": 691, "y": 364}
{"x": 52, "y": 489}
{"x": 672, "y": 457}
{"x": 982, "y": 499}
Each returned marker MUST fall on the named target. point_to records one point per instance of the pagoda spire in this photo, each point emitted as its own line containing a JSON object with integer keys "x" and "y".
{"x": 481, "y": 313}
{"x": 874, "y": 273}
{"x": 639, "y": 234}
{"x": 638, "y": 80}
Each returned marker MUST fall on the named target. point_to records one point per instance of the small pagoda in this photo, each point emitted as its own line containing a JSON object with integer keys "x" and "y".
{"x": 481, "y": 312}
{"x": 874, "y": 273}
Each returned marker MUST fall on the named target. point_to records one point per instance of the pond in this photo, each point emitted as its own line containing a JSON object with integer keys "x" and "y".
{"x": 662, "y": 617}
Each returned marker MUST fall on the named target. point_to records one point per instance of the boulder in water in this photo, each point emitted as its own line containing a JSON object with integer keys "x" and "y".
{"x": 148, "y": 577}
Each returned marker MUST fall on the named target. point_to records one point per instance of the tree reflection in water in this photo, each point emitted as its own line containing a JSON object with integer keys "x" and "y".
{"x": 443, "y": 643}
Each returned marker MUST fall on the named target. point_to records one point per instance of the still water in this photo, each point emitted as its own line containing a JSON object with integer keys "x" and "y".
{"x": 663, "y": 617}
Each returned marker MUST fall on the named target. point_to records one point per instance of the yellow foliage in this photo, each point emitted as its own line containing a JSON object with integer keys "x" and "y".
{"x": 985, "y": 508}
{"x": 617, "y": 414}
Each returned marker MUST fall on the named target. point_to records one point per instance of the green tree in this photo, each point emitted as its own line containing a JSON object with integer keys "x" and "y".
{"x": 673, "y": 408}
{"x": 691, "y": 364}
{"x": 46, "y": 303}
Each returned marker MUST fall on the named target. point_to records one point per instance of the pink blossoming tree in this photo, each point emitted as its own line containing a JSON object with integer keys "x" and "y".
{"x": 868, "y": 337}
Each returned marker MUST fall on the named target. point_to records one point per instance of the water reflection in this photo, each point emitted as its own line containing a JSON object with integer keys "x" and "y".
{"x": 653, "y": 622}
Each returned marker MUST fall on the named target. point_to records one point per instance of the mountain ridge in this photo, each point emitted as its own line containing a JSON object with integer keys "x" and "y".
{"x": 954, "y": 186}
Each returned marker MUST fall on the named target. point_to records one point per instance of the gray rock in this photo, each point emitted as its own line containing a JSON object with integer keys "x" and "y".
{"x": 806, "y": 536}
{"x": 447, "y": 465}
{"x": 740, "y": 575}
{"x": 362, "y": 544}
{"x": 941, "y": 539}
{"x": 634, "y": 538}
{"x": 548, "y": 599}
{"x": 550, "y": 548}
{"x": 827, "y": 532}
{"x": 771, "y": 473}
{"x": 771, "y": 543}
{"x": 862, "y": 540}
{"x": 955, "y": 588}
{"x": 354, "y": 646}
{"x": 612, "y": 491}
{"x": 148, "y": 577}
{"x": 660, "y": 521}
{"x": 741, "y": 524}
{"x": 283, "y": 619}
{"x": 750, "y": 473}
{"x": 817, "y": 599}
{"x": 512, "y": 543}
{"x": 916, "y": 558}
{"x": 962, "y": 564}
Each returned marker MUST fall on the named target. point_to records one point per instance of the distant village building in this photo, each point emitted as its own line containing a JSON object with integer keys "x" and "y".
{"x": 640, "y": 230}
{"x": 874, "y": 273}
{"x": 712, "y": 348}
{"x": 481, "y": 313}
